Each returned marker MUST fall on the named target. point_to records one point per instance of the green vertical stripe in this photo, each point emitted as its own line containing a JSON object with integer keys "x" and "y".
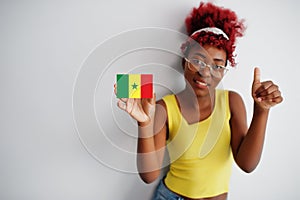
{"x": 122, "y": 85}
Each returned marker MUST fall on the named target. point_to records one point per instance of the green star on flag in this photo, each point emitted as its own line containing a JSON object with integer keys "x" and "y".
{"x": 134, "y": 86}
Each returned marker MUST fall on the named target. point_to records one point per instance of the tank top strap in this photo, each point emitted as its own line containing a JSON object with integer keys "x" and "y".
{"x": 174, "y": 114}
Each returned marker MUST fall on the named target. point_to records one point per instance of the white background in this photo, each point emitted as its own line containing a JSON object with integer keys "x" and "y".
{"x": 43, "y": 45}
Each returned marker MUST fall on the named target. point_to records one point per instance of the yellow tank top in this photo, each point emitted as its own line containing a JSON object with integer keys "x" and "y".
{"x": 200, "y": 153}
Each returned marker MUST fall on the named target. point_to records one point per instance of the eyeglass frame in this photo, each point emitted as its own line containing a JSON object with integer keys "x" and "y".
{"x": 211, "y": 70}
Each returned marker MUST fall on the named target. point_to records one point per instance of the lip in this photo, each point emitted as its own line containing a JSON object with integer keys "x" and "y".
{"x": 201, "y": 83}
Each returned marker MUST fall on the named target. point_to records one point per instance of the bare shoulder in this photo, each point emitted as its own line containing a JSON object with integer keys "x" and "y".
{"x": 238, "y": 121}
{"x": 162, "y": 103}
{"x": 161, "y": 109}
{"x": 234, "y": 96}
{"x": 236, "y": 102}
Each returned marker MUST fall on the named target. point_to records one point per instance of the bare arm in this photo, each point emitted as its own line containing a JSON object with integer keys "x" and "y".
{"x": 151, "y": 144}
{"x": 247, "y": 144}
{"x": 152, "y": 129}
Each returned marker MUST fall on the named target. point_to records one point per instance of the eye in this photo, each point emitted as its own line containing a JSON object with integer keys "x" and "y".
{"x": 198, "y": 63}
{"x": 217, "y": 67}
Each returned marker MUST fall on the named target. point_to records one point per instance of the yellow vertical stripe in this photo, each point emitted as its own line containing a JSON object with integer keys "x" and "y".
{"x": 134, "y": 86}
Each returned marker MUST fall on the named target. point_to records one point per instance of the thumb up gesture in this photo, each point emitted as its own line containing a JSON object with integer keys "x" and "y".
{"x": 265, "y": 94}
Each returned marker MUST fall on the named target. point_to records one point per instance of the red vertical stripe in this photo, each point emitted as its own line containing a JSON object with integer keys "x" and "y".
{"x": 147, "y": 86}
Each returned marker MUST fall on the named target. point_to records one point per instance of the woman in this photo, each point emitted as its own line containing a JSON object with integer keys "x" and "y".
{"x": 203, "y": 128}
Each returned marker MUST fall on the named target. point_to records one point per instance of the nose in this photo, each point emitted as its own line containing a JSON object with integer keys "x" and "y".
{"x": 205, "y": 72}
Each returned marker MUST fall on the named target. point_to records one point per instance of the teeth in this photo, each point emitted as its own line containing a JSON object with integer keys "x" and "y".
{"x": 201, "y": 83}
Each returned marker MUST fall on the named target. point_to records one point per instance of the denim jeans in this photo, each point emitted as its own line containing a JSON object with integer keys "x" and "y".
{"x": 163, "y": 193}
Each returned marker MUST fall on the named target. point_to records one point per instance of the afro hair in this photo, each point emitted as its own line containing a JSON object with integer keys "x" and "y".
{"x": 210, "y": 15}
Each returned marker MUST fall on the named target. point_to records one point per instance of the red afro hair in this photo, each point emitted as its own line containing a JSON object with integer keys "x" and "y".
{"x": 210, "y": 15}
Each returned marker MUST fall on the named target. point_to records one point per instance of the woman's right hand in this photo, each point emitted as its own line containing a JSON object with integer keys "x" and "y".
{"x": 142, "y": 110}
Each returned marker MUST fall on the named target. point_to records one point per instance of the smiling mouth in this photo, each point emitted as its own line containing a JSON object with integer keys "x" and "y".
{"x": 201, "y": 83}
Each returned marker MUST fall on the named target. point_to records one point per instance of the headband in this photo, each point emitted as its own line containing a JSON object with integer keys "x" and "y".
{"x": 214, "y": 30}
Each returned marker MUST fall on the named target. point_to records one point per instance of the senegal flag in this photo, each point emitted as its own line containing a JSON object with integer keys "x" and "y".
{"x": 134, "y": 85}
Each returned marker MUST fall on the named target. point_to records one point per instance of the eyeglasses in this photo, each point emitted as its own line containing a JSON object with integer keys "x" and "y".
{"x": 196, "y": 65}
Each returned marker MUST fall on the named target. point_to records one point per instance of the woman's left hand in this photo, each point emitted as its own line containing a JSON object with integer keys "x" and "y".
{"x": 265, "y": 94}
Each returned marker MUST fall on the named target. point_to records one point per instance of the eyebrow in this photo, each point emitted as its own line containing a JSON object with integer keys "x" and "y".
{"x": 219, "y": 60}
{"x": 215, "y": 59}
{"x": 200, "y": 54}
